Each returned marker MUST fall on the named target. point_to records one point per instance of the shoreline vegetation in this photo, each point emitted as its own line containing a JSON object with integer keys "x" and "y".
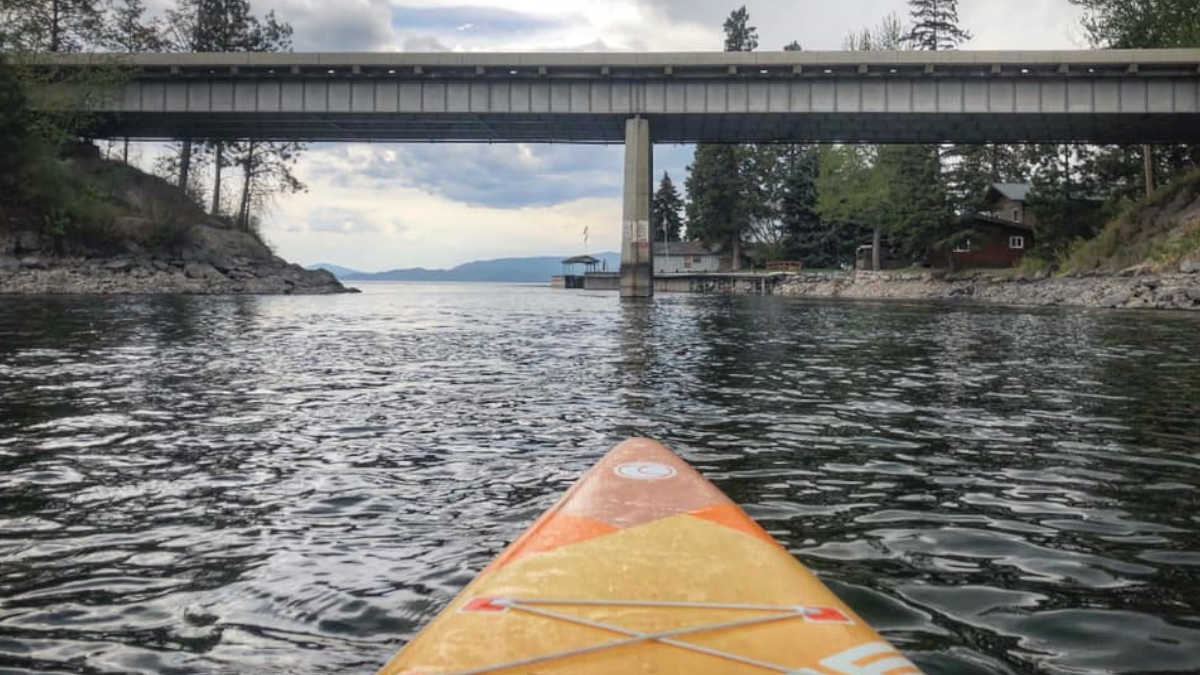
{"x": 72, "y": 222}
{"x": 1148, "y": 257}
{"x": 113, "y": 229}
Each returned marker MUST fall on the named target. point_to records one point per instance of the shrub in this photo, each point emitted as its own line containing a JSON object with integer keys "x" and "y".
{"x": 1149, "y": 231}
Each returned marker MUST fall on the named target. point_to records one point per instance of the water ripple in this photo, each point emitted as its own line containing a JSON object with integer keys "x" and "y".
{"x": 295, "y": 485}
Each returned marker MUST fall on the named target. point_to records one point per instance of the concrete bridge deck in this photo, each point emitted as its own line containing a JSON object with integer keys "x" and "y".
{"x": 1118, "y": 96}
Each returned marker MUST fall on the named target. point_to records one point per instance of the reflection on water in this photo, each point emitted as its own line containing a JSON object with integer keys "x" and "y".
{"x": 296, "y": 484}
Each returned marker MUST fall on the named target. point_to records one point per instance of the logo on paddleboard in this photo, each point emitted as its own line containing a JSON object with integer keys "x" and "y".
{"x": 644, "y": 470}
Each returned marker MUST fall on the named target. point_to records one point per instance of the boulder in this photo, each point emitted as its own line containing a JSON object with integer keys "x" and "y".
{"x": 1190, "y": 266}
{"x": 223, "y": 264}
{"x": 27, "y": 241}
{"x": 34, "y": 263}
{"x": 194, "y": 270}
{"x": 9, "y": 264}
{"x": 118, "y": 265}
{"x": 1116, "y": 299}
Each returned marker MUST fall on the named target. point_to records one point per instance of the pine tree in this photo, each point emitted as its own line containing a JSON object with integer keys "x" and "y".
{"x": 229, "y": 26}
{"x": 919, "y": 211}
{"x": 666, "y": 220}
{"x": 740, "y": 36}
{"x": 1061, "y": 186}
{"x": 127, "y": 30}
{"x": 719, "y": 209}
{"x": 806, "y": 234}
{"x": 51, "y": 25}
{"x": 935, "y": 25}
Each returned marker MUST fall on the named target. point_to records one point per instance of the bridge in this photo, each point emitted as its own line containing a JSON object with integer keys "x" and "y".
{"x": 1118, "y": 96}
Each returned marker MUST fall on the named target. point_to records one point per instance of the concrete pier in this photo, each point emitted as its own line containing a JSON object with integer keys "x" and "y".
{"x": 637, "y": 264}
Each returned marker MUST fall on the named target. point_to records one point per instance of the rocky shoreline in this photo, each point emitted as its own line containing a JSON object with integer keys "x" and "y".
{"x": 215, "y": 261}
{"x": 1136, "y": 288}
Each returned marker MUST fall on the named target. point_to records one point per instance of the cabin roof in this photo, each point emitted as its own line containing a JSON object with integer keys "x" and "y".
{"x": 1018, "y": 192}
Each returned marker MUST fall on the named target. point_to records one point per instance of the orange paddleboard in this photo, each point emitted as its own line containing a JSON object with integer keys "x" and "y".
{"x": 644, "y": 566}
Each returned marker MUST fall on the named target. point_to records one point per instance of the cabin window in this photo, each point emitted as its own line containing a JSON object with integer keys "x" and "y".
{"x": 1016, "y": 242}
{"x": 687, "y": 262}
{"x": 963, "y": 246}
{"x": 1016, "y": 215}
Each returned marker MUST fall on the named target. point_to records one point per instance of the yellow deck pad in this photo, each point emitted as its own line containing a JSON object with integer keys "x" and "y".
{"x": 678, "y": 558}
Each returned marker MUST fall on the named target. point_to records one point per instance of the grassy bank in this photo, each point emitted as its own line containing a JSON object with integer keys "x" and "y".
{"x": 1158, "y": 232}
{"x": 86, "y": 204}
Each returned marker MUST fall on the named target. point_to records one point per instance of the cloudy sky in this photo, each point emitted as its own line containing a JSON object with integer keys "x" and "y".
{"x": 382, "y": 206}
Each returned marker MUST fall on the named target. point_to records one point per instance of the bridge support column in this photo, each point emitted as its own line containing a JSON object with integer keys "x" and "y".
{"x": 637, "y": 253}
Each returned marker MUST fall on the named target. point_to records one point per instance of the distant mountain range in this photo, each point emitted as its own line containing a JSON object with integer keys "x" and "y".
{"x": 501, "y": 269}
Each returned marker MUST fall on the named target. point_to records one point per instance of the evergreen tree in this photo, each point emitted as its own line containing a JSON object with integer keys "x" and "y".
{"x": 740, "y": 36}
{"x": 763, "y": 169}
{"x": 127, "y": 30}
{"x": 1145, "y": 24}
{"x": 15, "y": 136}
{"x": 924, "y": 211}
{"x": 806, "y": 234}
{"x": 719, "y": 207}
{"x": 919, "y": 211}
{"x": 229, "y": 26}
{"x": 1061, "y": 197}
{"x": 935, "y": 25}
{"x": 718, "y": 204}
{"x": 51, "y": 25}
{"x": 666, "y": 220}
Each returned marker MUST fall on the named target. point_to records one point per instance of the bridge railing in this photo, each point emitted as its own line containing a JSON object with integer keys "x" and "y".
{"x": 681, "y": 65}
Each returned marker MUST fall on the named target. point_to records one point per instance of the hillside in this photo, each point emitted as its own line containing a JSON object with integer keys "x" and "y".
{"x": 83, "y": 224}
{"x": 1160, "y": 233}
{"x": 513, "y": 270}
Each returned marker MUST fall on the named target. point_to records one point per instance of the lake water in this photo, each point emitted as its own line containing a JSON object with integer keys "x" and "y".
{"x": 297, "y": 484}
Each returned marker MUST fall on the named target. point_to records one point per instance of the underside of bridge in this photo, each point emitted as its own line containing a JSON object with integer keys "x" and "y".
{"x": 843, "y": 127}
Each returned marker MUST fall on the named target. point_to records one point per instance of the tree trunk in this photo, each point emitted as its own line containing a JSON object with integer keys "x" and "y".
{"x": 244, "y": 207}
{"x": 185, "y": 163}
{"x": 55, "y": 37}
{"x": 125, "y": 152}
{"x": 737, "y": 254}
{"x": 216, "y": 200}
{"x": 876, "y": 242}
{"x": 1148, "y": 161}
